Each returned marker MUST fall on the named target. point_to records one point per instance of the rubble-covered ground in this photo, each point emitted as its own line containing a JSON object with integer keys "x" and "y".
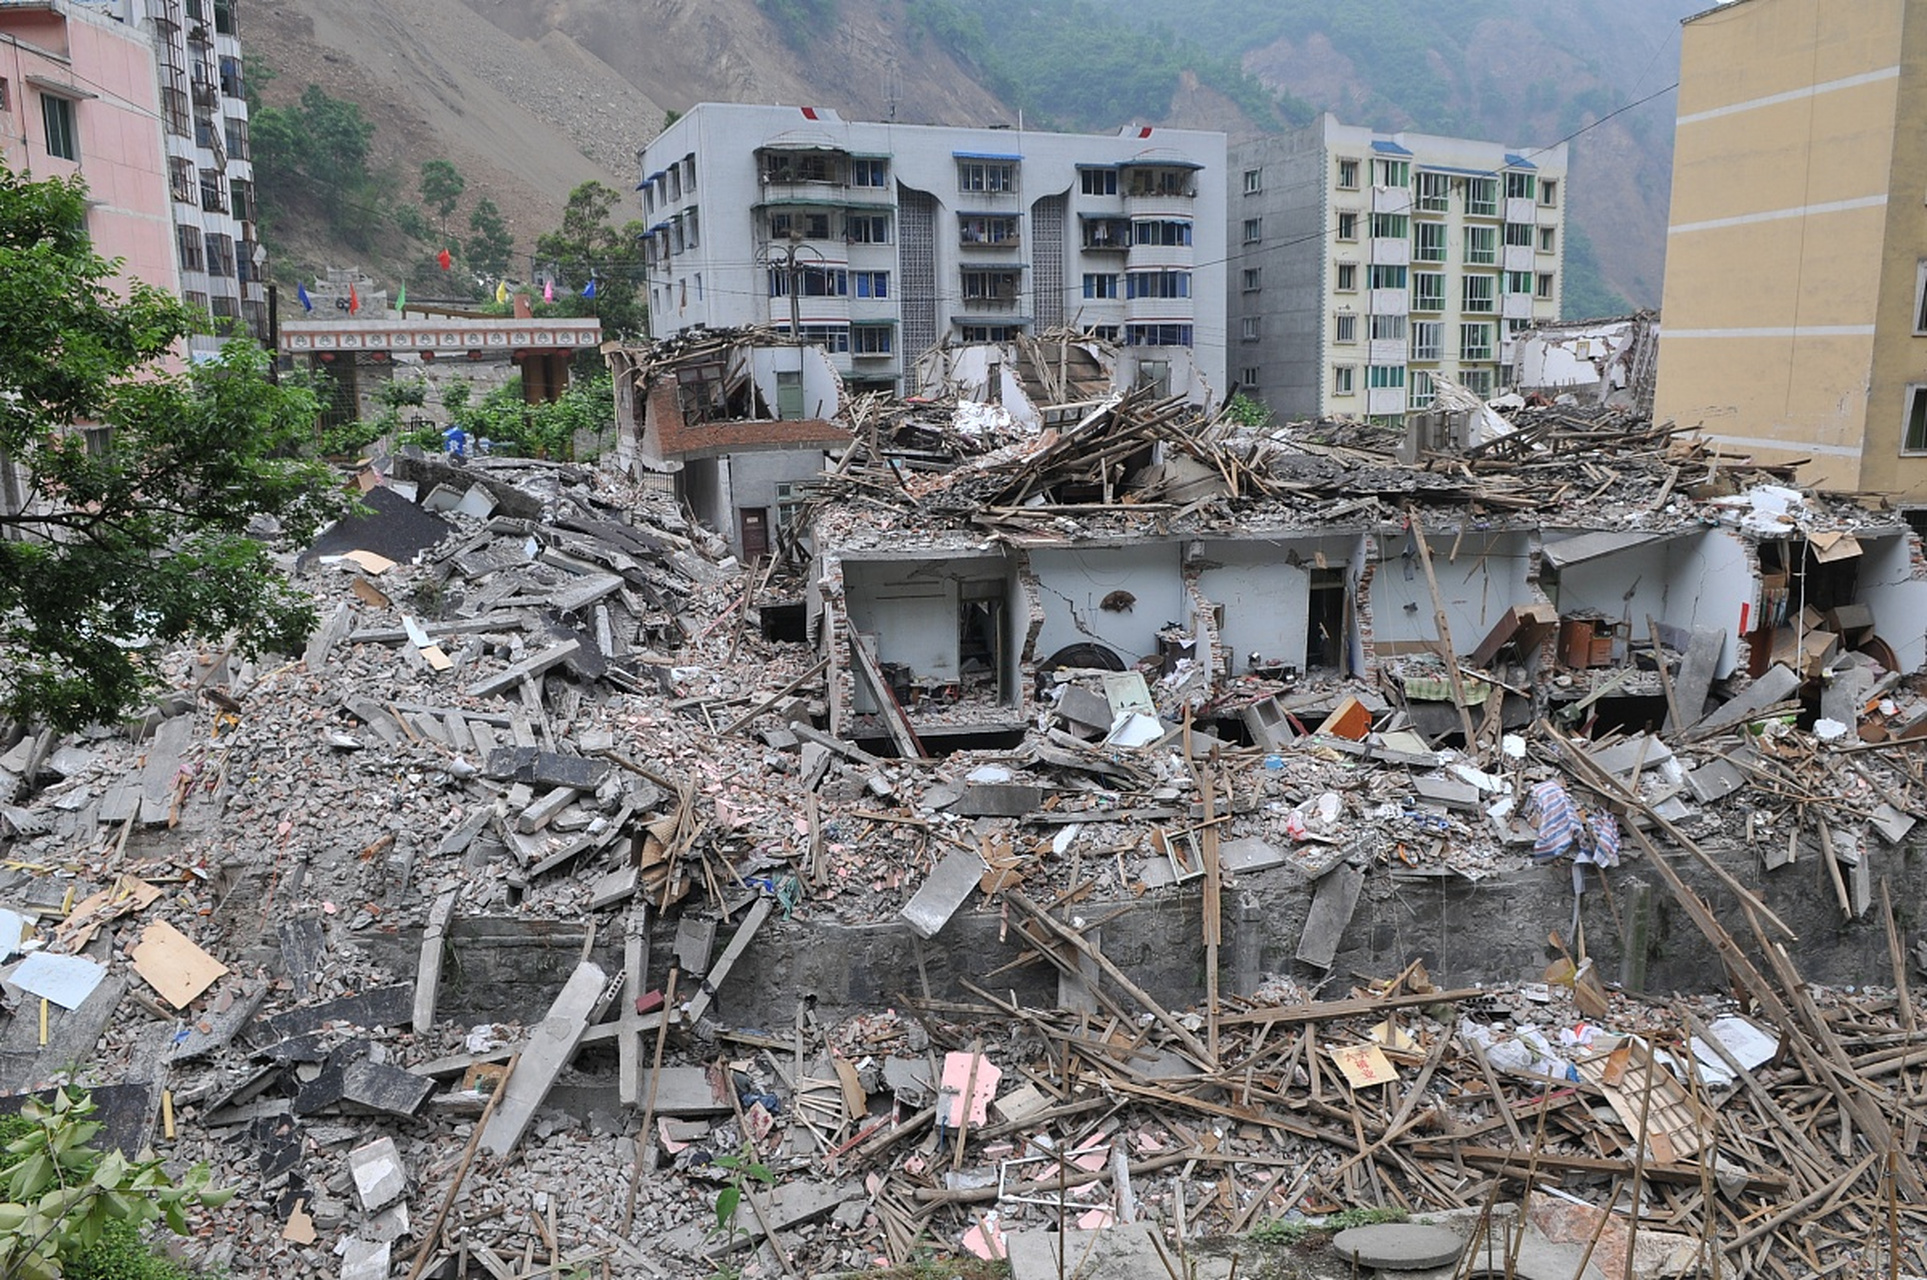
{"x": 540, "y": 699}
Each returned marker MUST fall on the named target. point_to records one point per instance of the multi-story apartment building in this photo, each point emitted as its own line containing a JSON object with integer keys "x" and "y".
{"x": 204, "y": 114}
{"x": 1363, "y": 263}
{"x": 1795, "y": 301}
{"x": 878, "y": 241}
{"x": 78, "y": 96}
{"x": 143, "y": 98}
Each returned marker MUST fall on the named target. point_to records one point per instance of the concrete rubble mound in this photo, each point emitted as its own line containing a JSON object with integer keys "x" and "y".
{"x": 1165, "y": 831}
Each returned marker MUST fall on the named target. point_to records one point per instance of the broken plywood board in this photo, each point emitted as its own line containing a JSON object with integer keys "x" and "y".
{"x": 1674, "y": 1118}
{"x": 1332, "y": 904}
{"x": 171, "y": 963}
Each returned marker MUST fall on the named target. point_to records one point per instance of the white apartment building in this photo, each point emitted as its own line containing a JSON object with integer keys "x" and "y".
{"x": 879, "y": 241}
{"x": 1363, "y": 263}
{"x": 204, "y": 117}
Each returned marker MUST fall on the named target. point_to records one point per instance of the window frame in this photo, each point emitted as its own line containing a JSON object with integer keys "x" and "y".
{"x": 1254, "y": 230}
{"x": 1347, "y": 230}
{"x": 1345, "y": 329}
{"x": 1254, "y": 180}
{"x": 1913, "y": 402}
{"x": 1250, "y": 328}
{"x": 1348, "y": 174}
{"x": 1481, "y": 247}
{"x": 1490, "y": 298}
{"x": 1345, "y": 277}
{"x": 1469, "y": 349}
{"x": 59, "y": 105}
{"x": 1344, "y": 379}
{"x": 1433, "y": 350}
{"x": 987, "y": 177}
{"x": 1252, "y": 279}
{"x": 1479, "y": 205}
{"x": 1422, "y": 252}
{"x": 1104, "y": 180}
{"x": 1436, "y": 301}
{"x": 1102, "y": 286}
{"x": 1437, "y": 200}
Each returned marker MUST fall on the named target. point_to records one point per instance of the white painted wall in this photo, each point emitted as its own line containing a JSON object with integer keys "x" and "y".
{"x": 1073, "y": 582}
{"x": 912, "y": 609}
{"x": 1898, "y": 600}
{"x": 1715, "y": 577}
{"x": 822, "y": 388}
{"x": 1487, "y": 578}
{"x": 1266, "y": 596}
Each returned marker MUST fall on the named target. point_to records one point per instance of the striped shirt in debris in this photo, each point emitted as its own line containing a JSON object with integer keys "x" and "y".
{"x": 1558, "y": 820}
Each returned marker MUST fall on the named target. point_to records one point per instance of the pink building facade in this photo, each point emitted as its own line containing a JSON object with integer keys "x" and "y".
{"x": 79, "y": 94}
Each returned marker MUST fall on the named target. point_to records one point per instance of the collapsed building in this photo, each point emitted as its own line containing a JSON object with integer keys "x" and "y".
{"x": 1086, "y": 833}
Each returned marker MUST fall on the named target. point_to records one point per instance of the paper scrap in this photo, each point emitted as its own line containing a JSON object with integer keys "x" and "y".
{"x": 65, "y": 980}
{"x": 1364, "y": 1065}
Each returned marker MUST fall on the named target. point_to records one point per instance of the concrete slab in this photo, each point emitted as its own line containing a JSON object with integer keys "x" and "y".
{"x": 1642, "y": 749}
{"x": 161, "y": 772}
{"x": 547, "y": 1052}
{"x": 383, "y": 1007}
{"x": 533, "y": 665}
{"x": 380, "y": 1177}
{"x": 684, "y": 1091}
{"x": 1776, "y": 686}
{"x": 1696, "y": 673}
{"x": 939, "y": 897}
{"x": 366, "y": 1259}
{"x": 1332, "y": 904}
{"x": 998, "y": 800}
{"x": 1398, "y": 1246}
{"x": 1715, "y": 780}
{"x": 1249, "y": 853}
{"x": 546, "y": 768}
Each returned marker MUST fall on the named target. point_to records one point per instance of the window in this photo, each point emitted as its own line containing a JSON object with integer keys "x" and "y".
{"x": 831, "y": 337}
{"x": 1170, "y": 232}
{"x": 1097, "y": 182}
{"x": 1347, "y": 225}
{"x": 1429, "y": 241}
{"x": 231, "y": 84}
{"x": 1543, "y": 289}
{"x": 1344, "y": 379}
{"x": 235, "y": 129}
{"x": 1914, "y": 438}
{"x": 1426, "y": 336}
{"x": 1475, "y": 341}
{"x": 58, "y": 115}
{"x": 1428, "y": 291}
{"x": 1479, "y": 294}
{"x": 1252, "y": 279}
{"x": 784, "y": 225}
{"x": 1482, "y": 197}
{"x": 1920, "y": 297}
{"x": 189, "y": 240}
{"x": 996, "y": 287}
{"x": 1248, "y": 375}
{"x": 988, "y": 229}
{"x": 1477, "y": 381}
{"x": 1160, "y": 182}
{"x": 789, "y": 166}
{"x": 1347, "y": 277}
{"x": 1393, "y": 173}
{"x": 1158, "y": 284}
{"x": 689, "y": 172}
{"x": 1434, "y": 192}
{"x": 1390, "y": 226}
{"x": 1549, "y": 192}
{"x": 1105, "y": 233}
{"x": 1345, "y": 327}
{"x": 870, "y": 284}
{"x": 1348, "y": 175}
{"x": 1518, "y": 235}
{"x": 220, "y": 255}
{"x": 1388, "y": 328}
{"x": 809, "y": 282}
{"x": 1384, "y": 277}
{"x": 6, "y": 95}
{"x": 1157, "y": 335}
{"x": 213, "y": 191}
{"x": 1518, "y": 282}
{"x": 990, "y": 332}
{"x": 1520, "y": 186}
{"x": 870, "y": 339}
{"x": 1481, "y": 246}
{"x": 181, "y": 178}
{"x": 866, "y": 228}
{"x": 1546, "y": 239}
{"x": 1254, "y": 230}
{"x": 1381, "y": 376}
{"x": 675, "y": 182}
{"x": 873, "y": 172}
{"x": 1101, "y": 284}
{"x": 1420, "y": 393}
{"x": 986, "y": 175}
{"x": 1254, "y": 181}
{"x": 1249, "y": 328}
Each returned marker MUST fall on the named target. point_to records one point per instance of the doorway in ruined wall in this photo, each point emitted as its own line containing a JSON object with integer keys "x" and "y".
{"x": 1328, "y": 609}
{"x": 982, "y": 641}
{"x": 753, "y": 526}
{"x": 1798, "y": 575}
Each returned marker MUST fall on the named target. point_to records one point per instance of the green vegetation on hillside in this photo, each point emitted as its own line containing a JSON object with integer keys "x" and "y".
{"x": 1078, "y": 67}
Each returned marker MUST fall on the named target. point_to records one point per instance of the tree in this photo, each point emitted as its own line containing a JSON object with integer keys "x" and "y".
{"x": 108, "y": 554}
{"x": 442, "y": 185}
{"x": 490, "y": 246}
{"x": 60, "y": 1197}
{"x": 588, "y": 246}
{"x": 317, "y": 148}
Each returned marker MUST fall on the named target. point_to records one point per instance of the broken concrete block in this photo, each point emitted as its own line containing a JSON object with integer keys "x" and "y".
{"x": 1713, "y": 780}
{"x": 1332, "y": 905}
{"x": 365, "y": 1259}
{"x": 1448, "y": 792}
{"x": 614, "y": 887}
{"x": 1642, "y": 749}
{"x": 1247, "y": 854}
{"x": 544, "y": 810}
{"x": 683, "y": 1091}
{"x": 380, "y": 1178}
{"x": 998, "y": 800}
{"x": 1776, "y": 686}
{"x": 939, "y": 897}
{"x": 382, "y": 1007}
{"x": 548, "y": 1051}
{"x": 546, "y": 768}
{"x": 695, "y": 940}
{"x": 378, "y": 1087}
{"x": 552, "y": 656}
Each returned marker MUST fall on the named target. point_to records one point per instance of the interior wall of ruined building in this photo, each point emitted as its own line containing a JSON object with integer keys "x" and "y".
{"x": 1480, "y": 576}
{"x": 1893, "y": 583}
{"x": 1265, "y": 589}
{"x": 1699, "y": 581}
{"x": 1119, "y": 597}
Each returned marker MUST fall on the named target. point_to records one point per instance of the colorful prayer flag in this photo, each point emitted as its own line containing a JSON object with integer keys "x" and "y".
{"x": 354, "y": 300}
{"x": 502, "y": 292}
{"x": 444, "y": 259}
{"x": 301, "y": 294}
{"x": 548, "y": 291}
{"x": 401, "y": 297}
{"x": 588, "y": 290}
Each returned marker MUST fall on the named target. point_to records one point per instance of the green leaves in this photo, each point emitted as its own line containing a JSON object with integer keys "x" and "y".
{"x": 133, "y": 533}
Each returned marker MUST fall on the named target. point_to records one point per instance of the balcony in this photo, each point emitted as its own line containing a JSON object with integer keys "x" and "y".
{"x": 1388, "y": 302}
{"x": 1521, "y": 209}
{"x": 1516, "y": 306}
{"x": 1383, "y": 401}
{"x": 1517, "y": 257}
{"x": 1391, "y": 251}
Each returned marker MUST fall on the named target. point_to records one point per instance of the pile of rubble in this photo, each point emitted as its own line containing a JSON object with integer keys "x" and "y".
{"x": 258, "y": 922}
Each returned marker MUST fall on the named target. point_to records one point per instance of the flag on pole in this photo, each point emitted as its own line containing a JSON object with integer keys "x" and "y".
{"x": 444, "y": 259}
{"x": 301, "y": 295}
{"x": 588, "y": 290}
{"x": 401, "y": 297}
{"x": 502, "y": 292}
{"x": 548, "y": 291}
{"x": 354, "y": 300}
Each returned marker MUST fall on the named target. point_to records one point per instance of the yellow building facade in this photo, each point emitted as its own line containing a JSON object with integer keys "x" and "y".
{"x": 1793, "y": 317}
